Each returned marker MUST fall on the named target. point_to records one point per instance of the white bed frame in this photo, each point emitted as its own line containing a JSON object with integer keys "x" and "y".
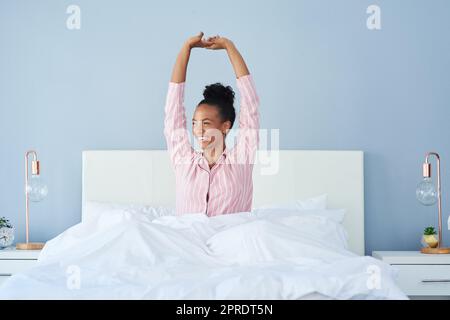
{"x": 145, "y": 177}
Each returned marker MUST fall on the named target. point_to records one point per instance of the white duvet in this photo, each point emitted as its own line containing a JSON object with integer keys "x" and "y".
{"x": 125, "y": 254}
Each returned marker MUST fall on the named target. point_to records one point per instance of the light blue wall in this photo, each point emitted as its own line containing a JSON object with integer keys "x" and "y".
{"x": 324, "y": 79}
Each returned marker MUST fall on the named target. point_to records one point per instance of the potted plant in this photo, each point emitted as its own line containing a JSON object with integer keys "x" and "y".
{"x": 429, "y": 238}
{"x": 6, "y": 233}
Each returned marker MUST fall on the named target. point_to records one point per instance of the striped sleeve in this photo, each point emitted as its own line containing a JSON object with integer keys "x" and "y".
{"x": 175, "y": 130}
{"x": 248, "y": 133}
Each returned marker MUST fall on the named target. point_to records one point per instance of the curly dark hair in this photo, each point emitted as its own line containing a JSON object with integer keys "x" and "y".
{"x": 223, "y": 98}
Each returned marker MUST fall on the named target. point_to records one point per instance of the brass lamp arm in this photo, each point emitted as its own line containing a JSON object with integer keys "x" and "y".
{"x": 427, "y": 174}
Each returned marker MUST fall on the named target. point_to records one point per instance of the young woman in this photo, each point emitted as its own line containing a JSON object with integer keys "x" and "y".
{"x": 214, "y": 180}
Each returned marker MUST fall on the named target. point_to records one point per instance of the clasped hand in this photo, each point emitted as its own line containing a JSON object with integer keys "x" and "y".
{"x": 212, "y": 43}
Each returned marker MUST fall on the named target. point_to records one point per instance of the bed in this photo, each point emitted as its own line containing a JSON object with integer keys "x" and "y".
{"x": 303, "y": 239}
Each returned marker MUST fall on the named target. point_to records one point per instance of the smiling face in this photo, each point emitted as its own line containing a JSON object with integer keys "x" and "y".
{"x": 208, "y": 127}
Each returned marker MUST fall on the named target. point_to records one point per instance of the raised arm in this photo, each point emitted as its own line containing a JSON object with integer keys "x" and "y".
{"x": 238, "y": 63}
{"x": 239, "y": 66}
{"x": 248, "y": 134}
{"x": 175, "y": 130}
{"x": 180, "y": 67}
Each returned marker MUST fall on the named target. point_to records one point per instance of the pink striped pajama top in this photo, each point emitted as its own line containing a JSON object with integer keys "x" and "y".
{"x": 227, "y": 187}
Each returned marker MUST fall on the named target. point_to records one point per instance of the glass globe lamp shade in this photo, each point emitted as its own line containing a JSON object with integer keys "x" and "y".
{"x": 426, "y": 192}
{"x": 36, "y": 188}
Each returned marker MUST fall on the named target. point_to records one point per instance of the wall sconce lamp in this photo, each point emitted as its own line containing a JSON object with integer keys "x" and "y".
{"x": 428, "y": 195}
{"x": 35, "y": 190}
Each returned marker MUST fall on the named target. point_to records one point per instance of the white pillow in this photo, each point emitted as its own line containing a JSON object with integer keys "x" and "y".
{"x": 95, "y": 208}
{"x": 275, "y": 237}
{"x": 318, "y": 202}
{"x": 337, "y": 215}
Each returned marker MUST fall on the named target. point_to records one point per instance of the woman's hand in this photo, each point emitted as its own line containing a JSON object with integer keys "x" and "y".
{"x": 198, "y": 42}
{"x": 217, "y": 43}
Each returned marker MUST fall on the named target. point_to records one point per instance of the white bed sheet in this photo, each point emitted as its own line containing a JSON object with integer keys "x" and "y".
{"x": 124, "y": 254}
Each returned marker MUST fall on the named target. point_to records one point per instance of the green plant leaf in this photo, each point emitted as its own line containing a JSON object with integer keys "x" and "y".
{"x": 429, "y": 231}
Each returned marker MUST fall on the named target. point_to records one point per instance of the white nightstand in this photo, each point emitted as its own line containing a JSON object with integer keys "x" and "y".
{"x": 420, "y": 275}
{"x": 13, "y": 261}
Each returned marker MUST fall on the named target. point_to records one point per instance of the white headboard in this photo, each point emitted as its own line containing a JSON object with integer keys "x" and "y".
{"x": 146, "y": 177}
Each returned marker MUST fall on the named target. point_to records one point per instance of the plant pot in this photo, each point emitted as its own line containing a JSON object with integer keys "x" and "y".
{"x": 6, "y": 237}
{"x": 430, "y": 241}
